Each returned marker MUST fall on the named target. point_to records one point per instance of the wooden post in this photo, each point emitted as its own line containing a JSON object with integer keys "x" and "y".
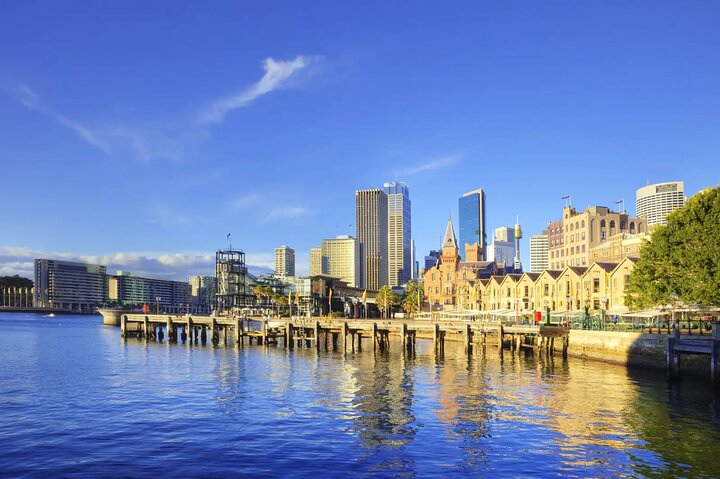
{"x": 146, "y": 327}
{"x": 436, "y": 336}
{"x": 214, "y": 331}
{"x": 289, "y": 335}
{"x": 500, "y": 338}
{"x": 317, "y": 334}
{"x": 189, "y": 330}
{"x": 468, "y": 339}
{"x": 238, "y": 331}
{"x": 169, "y": 326}
{"x": 123, "y": 326}
{"x": 403, "y": 333}
{"x": 375, "y": 336}
{"x": 345, "y": 335}
{"x": 263, "y": 332}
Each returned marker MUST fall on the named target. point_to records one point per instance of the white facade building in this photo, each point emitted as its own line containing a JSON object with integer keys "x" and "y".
{"x": 539, "y": 253}
{"x": 655, "y": 202}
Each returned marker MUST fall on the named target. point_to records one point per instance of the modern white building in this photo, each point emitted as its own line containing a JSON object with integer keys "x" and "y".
{"x": 539, "y": 252}
{"x": 284, "y": 261}
{"x": 342, "y": 259}
{"x": 69, "y": 285}
{"x": 399, "y": 233}
{"x": 203, "y": 290}
{"x": 655, "y": 202}
{"x": 502, "y": 249}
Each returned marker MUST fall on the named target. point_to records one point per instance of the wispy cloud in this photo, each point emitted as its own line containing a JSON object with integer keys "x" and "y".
{"x": 287, "y": 212}
{"x": 277, "y": 73}
{"x": 246, "y": 201}
{"x": 436, "y": 164}
{"x": 172, "y": 137}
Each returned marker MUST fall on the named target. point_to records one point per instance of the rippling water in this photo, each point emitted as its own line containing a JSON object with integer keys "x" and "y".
{"x": 77, "y": 401}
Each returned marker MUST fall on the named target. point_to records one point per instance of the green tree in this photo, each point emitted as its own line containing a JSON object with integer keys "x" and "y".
{"x": 412, "y": 297}
{"x": 15, "y": 281}
{"x": 682, "y": 260}
{"x": 386, "y": 298}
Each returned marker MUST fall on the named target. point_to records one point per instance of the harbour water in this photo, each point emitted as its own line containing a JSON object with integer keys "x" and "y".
{"x": 77, "y": 401}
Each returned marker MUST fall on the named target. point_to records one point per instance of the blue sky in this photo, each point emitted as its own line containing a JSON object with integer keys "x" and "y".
{"x": 141, "y": 133}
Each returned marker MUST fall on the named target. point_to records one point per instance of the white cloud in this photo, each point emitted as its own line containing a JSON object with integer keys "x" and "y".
{"x": 175, "y": 266}
{"x": 277, "y": 73}
{"x": 437, "y": 164}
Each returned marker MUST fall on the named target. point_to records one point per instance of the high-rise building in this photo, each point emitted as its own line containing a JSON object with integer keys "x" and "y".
{"x": 655, "y": 202}
{"x": 431, "y": 259}
{"x": 316, "y": 262}
{"x": 284, "y": 261}
{"x": 172, "y": 296}
{"x": 539, "y": 252}
{"x": 399, "y": 233}
{"x": 203, "y": 289}
{"x": 471, "y": 206}
{"x": 69, "y": 285}
{"x": 343, "y": 257}
{"x": 502, "y": 249}
{"x": 572, "y": 238}
{"x": 371, "y": 226}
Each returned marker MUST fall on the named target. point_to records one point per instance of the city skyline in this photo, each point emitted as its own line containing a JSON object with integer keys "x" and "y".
{"x": 163, "y": 123}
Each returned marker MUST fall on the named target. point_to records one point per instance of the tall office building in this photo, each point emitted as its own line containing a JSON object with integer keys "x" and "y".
{"x": 502, "y": 249}
{"x": 284, "y": 261}
{"x": 539, "y": 252}
{"x": 399, "y": 233}
{"x": 371, "y": 226}
{"x": 69, "y": 285}
{"x": 431, "y": 259}
{"x": 471, "y": 206}
{"x": 655, "y": 202}
{"x": 316, "y": 262}
{"x": 343, "y": 259}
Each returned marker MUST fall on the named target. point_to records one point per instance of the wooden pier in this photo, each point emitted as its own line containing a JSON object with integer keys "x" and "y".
{"x": 341, "y": 334}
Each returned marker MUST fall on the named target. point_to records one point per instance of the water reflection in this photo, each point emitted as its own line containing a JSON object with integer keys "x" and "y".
{"x": 314, "y": 413}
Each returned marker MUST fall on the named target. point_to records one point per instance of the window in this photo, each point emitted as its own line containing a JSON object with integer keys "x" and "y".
{"x": 596, "y": 285}
{"x": 577, "y": 225}
{"x": 602, "y": 235}
{"x": 596, "y": 304}
{"x": 602, "y": 224}
{"x": 582, "y": 223}
{"x": 546, "y": 289}
{"x": 583, "y": 236}
{"x": 583, "y": 248}
{"x": 572, "y": 227}
{"x": 622, "y": 225}
{"x": 572, "y": 250}
{"x": 612, "y": 224}
{"x": 527, "y": 291}
{"x": 632, "y": 226}
{"x": 627, "y": 279}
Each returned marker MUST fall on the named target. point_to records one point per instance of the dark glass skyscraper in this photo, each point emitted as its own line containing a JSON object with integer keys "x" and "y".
{"x": 472, "y": 221}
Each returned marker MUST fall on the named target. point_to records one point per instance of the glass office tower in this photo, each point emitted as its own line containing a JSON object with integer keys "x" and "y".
{"x": 472, "y": 221}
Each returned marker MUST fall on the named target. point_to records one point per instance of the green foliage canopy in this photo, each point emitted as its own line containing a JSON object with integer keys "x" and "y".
{"x": 682, "y": 260}
{"x": 15, "y": 281}
{"x": 386, "y": 298}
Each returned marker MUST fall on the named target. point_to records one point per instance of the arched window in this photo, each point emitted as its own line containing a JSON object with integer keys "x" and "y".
{"x": 632, "y": 226}
{"x": 612, "y": 224}
{"x": 577, "y": 225}
{"x": 572, "y": 250}
{"x": 622, "y": 224}
{"x": 582, "y": 223}
{"x": 572, "y": 227}
{"x": 602, "y": 223}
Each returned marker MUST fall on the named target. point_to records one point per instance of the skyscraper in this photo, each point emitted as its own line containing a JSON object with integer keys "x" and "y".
{"x": 316, "y": 262}
{"x": 539, "y": 252}
{"x": 502, "y": 249}
{"x": 471, "y": 206}
{"x": 655, "y": 202}
{"x": 371, "y": 226}
{"x": 284, "y": 261}
{"x": 399, "y": 233}
{"x": 69, "y": 285}
{"x": 343, "y": 257}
